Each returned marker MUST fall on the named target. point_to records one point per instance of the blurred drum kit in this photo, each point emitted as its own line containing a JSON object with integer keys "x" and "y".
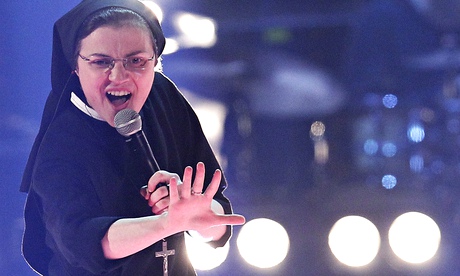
{"x": 282, "y": 87}
{"x": 431, "y": 131}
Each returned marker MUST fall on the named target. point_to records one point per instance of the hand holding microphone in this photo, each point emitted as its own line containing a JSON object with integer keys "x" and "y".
{"x": 129, "y": 124}
{"x": 194, "y": 197}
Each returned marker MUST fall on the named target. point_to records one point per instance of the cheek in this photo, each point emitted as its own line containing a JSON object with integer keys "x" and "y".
{"x": 144, "y": 86}
{"x": 91, "y": 86}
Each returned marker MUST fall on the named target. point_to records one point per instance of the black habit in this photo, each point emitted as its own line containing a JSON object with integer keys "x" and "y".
{"x": 81, "y": 176}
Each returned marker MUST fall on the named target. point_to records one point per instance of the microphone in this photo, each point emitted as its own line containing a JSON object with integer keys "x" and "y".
{"x": 129, "y": 124}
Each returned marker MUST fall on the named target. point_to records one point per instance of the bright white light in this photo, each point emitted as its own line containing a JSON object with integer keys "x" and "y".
{"x": 389, "y": 181}
{"x": 414, "y": 237}
{"x": 263, "y": 243}
{"x": 155, "y": 8}
{"x": 195, "y": 30}
{"x": 354, "y": 241}
{"x": 212, "y": 116}
{"x": 203, "y": 256}
{"x": 171, "y": 46}
{"x": 317, "y": 130}
{"x": 416, "y": 133}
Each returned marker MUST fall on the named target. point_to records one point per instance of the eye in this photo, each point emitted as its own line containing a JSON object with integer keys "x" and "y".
{"x": 137, "y": 61}
{"x": 102, "y": 62}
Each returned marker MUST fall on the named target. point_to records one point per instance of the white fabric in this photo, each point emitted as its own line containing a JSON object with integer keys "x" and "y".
{"x": 84, "y": 108}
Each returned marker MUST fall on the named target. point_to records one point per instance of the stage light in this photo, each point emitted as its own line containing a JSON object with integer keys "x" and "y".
{"x": 317, "y": 130}
{"x": 171, "y": 46}
{"x": 263, "y": 243}
{"x": 416, "y": 163}
{"x": 155, "y": 8}
{"x": 212, "y": 116}
{"x": 195, "y": 30}
{"x": 371, "y": 147}
{"x": 416, "y": 133}
{"x": 390, "y": 101}
{"x": 203, "y": 256}
{"x": 414, "y": 237}
{"x": 354, "y": 241}
{"x": 389, "y": 149}
{"x": 389, "y": 181}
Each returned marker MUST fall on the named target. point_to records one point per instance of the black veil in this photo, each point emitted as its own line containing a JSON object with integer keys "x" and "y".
{"x": 63, "y": 80}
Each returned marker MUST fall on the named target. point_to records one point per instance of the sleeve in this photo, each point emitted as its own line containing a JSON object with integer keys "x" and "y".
{"x": 71, "y": 216}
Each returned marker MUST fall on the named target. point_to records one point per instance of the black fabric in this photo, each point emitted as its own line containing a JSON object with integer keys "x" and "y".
{"x": 79, "y": 177}
{"x": 83, "y": 168}
{"x": 63, "y": 80}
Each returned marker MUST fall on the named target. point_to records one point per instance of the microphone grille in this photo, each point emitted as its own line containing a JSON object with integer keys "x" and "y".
{"x": 128, "y": 122}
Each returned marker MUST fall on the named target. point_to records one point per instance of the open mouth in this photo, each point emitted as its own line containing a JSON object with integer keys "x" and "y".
{"x": 118, "y": 97}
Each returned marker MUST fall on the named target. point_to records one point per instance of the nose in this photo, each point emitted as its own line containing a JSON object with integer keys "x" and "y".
{"x": 118, "y": 73}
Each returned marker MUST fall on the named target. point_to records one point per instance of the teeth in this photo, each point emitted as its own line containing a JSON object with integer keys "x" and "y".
{"x": 118, "y": 93}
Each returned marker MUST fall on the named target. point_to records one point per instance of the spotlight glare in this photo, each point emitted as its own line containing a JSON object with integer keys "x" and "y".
{"x": 171, "y": 46}
{"x": 203, "y": 256}
{"x": 389, "y": 181}
{"x": 390, "y": 101}
{"x": 416, "y": 133}
{"x": 263, "y": 243}
{"x": 354, "y": 241}
{"x": 414, "y": 237}
{"x": 155, "y": 8}
{"x": 195, "y": 30}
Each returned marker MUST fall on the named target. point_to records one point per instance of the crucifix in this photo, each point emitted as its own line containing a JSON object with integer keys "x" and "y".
{"x": 165, "y": 253}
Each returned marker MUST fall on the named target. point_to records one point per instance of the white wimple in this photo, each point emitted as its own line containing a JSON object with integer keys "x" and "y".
{"x": 83, "y": 107}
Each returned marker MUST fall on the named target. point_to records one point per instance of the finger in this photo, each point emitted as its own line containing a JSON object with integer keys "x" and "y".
{"x": 199, "y": 178}
{"x": 173, "y": 191}
{"x": 160, "y": 206}
{"x": 144, "y": 192}
{"x": 187, "y": 180}
{"x": 159, "y": 177}
{"x": 214, "y": 185}
{"x": 159, "y": 194}
{"x": 230, "y": 220}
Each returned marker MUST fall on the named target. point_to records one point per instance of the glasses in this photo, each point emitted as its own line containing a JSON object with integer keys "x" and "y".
{"x": 107, "y": 63}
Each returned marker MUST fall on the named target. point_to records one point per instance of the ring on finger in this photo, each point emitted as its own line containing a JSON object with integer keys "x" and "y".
{"x": 195, "y": 193}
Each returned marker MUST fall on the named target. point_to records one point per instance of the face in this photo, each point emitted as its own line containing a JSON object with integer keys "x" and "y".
{"x": 109, "y": 91}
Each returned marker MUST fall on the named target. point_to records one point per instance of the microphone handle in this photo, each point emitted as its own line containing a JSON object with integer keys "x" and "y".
{"x": 141, "y": 148}
{"x": 142, "y": 151}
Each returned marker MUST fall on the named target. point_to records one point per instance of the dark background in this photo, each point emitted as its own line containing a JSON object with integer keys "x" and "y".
{"x": 367, "y": 49}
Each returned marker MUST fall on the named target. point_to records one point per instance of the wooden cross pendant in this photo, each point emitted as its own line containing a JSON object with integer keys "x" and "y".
{"x": 165, "y": 253}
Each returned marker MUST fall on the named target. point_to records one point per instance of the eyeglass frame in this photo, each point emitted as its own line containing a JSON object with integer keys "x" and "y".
{"x": 113, "y": 60}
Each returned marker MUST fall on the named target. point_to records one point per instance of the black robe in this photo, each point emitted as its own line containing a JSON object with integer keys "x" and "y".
{"x": 81, "y": 177}
{"x": 84, "y": 180}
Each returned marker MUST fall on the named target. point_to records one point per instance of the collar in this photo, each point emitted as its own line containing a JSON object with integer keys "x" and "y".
{"x": 84, "y": 108}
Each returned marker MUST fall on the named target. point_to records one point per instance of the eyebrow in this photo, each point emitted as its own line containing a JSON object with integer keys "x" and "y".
{"x": 128, "y": 55}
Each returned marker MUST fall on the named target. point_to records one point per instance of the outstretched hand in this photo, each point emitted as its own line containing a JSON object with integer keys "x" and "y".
{"x": 187, "y": 207}
{"x": 190, "y": 208}
{"x": 184, "y": 208}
